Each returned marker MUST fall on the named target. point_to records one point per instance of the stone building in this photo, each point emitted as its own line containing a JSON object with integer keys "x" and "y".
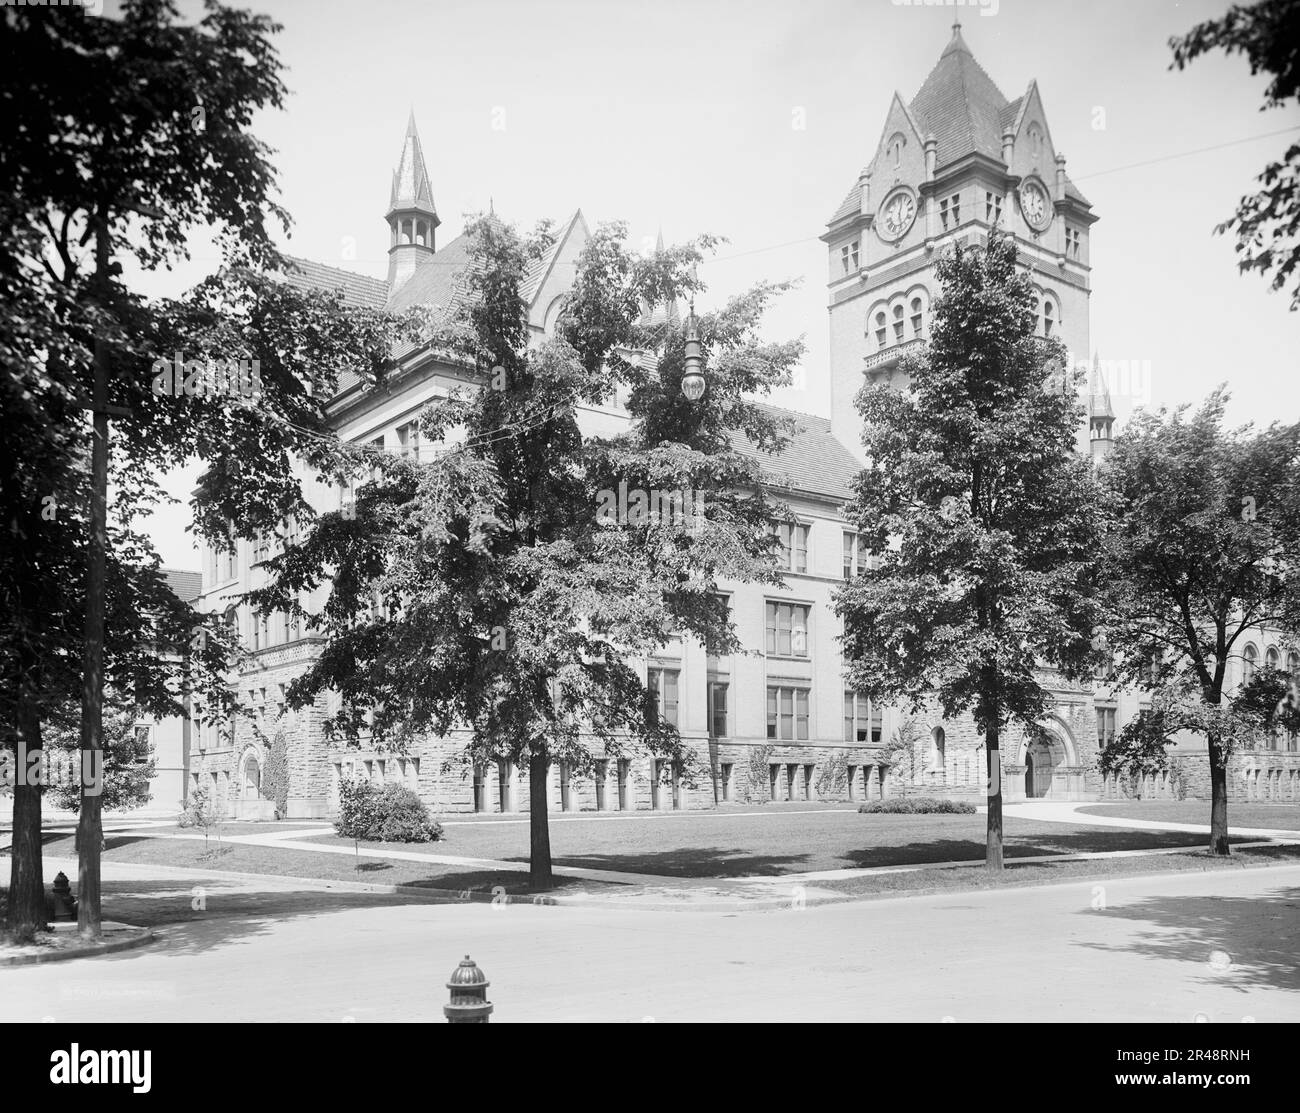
{"x": 951, "y": 164}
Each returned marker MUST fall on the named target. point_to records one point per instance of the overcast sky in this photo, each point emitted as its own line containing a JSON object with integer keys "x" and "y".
{"x": 681, "y": 114}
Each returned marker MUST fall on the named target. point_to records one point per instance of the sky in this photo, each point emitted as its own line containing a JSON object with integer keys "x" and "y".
{"x": 751, "y": 119}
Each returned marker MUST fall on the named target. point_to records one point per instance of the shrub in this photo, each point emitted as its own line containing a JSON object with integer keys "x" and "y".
{"x": 275, "y": 777}
{"x": 201, "y": 811}
{"x": 918, "y": 805}
{"x": 391, "y": 814}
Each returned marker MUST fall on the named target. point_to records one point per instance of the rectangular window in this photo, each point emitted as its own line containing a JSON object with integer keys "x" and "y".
{"x": 1105, "y": 725}
{"x": 793, "y": 553}
{"x": 787, "y": 713}
{"x": 663, "y": 685}
{"x": 943, "y": 213}
{"x": 787, "y": 630}
{"x": 255, "y": 631}
{"x": 992, "y": 207}
{"x": 1072, "y": 242}
{"x": 408, "y": 440}
{"x": 718, "y": 709}
{"x": 857, "y": 557}
{"x": 956, "y": 210}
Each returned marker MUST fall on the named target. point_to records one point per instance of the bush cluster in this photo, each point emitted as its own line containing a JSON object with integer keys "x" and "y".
{"x": 391, "y": 814}
{"x": 918, "y": 805}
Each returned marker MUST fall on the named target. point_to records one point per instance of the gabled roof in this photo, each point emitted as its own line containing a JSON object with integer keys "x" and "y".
{"x": 411, "y": 186}
{"x": 962, "y": 107}
{"x": 186, "y": 586}
{"x": 813, "y": 460}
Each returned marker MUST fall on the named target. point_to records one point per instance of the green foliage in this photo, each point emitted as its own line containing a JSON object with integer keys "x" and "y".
{"x": 917, "y": 805}
{"x": 391, "y": 814}
{"x": 1267, "y": 223}
{"x": 275, "y": 775}
{"x": 201, "y": 811}
{"x": 760, "y": 771}
{"x": 974, "y": 472}
{"x": 833, "y": 775}
{"x": 128, "y": 765}
{"x": 505, "y": 603}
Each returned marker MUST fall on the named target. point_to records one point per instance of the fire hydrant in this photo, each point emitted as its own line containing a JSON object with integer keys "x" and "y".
{"x": 63, "y": 905}
{"x": 469, "y": 1003}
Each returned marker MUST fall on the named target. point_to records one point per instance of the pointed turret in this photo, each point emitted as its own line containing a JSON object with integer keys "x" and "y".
{"x": 412, "y": 216}
{"x": 1101, "y": 414}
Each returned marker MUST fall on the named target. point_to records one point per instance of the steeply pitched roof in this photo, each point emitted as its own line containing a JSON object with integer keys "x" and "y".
{"x": 359, "y": 290}
{"x": 185, "y": 585}
{"x": 960, "y": 105}
{"x": 813, "y": 460}
{"x": 1099, "y": 403}
{"x": 411, "y": 186}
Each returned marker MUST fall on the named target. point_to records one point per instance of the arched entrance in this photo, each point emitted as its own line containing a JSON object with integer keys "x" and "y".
{"x": 252, "y": 777}
{"x": 1048, "y": 756}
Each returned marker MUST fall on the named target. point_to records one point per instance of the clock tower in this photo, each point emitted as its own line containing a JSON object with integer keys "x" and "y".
{"x": 955, "y": 162}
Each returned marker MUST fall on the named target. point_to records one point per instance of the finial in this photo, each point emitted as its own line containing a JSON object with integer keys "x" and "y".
{"x": 492, "y": 211}
{"x": 956, "y": 27}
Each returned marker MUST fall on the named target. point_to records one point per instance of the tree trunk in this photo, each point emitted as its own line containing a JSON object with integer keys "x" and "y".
{"x": 993, "y": 845}
{"x": 539, "y": 830}
{"x": 89, "y": 827}
{"x": 26, "y": 874}
{"x": 1218, "y": 797}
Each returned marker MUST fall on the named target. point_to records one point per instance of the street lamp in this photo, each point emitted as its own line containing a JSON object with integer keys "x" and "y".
{"x": 693, "y": 379}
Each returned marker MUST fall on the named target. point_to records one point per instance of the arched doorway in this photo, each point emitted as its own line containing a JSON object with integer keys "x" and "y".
{"x": 1041, "y": 761}
{"x": 252, "y": 777}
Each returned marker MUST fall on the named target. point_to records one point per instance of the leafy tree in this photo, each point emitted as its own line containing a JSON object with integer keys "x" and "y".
{"x": 128, "y": 765}
{"x": 1205, "y": 545}
{"x": 483, "y": 590}
{"x": 1267, "y": 223}
{"x": 974, "y": 478}
{"x": 125, "y": 132}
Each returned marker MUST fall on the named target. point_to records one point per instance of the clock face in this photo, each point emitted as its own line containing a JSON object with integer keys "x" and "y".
{"x": 897, "y": 214}
{"x": 1035, "y": 205}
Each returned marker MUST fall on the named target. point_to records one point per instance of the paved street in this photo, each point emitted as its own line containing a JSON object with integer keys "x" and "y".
{"x": 1164, "y": 948}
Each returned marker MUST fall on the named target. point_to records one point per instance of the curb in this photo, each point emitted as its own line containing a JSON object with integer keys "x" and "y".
{"x": 143, "y": 936}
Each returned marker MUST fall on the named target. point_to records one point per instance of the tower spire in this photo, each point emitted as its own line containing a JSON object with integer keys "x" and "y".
{"x": 412, "y": 216}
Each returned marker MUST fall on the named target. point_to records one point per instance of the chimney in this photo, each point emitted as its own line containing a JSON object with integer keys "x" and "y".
{"x": 1060, "y": 177}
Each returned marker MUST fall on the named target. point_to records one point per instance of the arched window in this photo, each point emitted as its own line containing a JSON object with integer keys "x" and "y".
{"x": 938, "y": 748}
{"x": 1293, "y": 663}
{"x": 1049, "y": 317}
{"x": 1272, "y": 658}
{"x": 894, "y": 150}
{"x": 1035, "y": 142}
{"x": 1248, "y": 665}
{"x": 420, "y": 234}
{"x": 898, "y": 324}
{"x": 882, "y": 336}
{"x": 918, "y": 318}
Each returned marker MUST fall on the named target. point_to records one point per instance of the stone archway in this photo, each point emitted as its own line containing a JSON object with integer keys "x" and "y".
{"x": 1048, "y": 754}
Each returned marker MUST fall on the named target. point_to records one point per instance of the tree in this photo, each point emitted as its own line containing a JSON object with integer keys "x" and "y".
{"x": 984, "y": 515}
{"x": 1267, "y": 223}
{"x": 128, "y": 765}
{"x": 1205, "y": 545}
{"x": 123, "y": 133}
{"x": 487, "y": 589}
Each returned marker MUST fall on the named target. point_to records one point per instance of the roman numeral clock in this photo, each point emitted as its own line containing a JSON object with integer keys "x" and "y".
{"x": 1035, "y": 204}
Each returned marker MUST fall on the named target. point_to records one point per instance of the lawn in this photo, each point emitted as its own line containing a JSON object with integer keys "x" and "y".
{"x": 774, "y": 841}
{"x": 1276, "y": 816}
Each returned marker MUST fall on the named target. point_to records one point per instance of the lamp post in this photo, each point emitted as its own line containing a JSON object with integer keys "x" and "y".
{"x": 693, "y": 379}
